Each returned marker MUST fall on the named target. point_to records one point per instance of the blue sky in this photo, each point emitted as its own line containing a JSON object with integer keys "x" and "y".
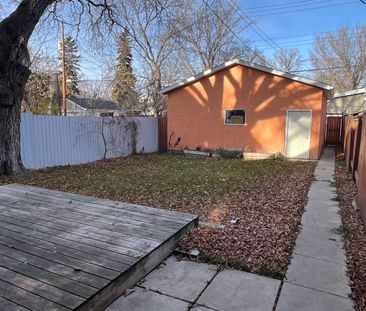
{"x": 296, "y": 28}
{"x": 301, "y": 25}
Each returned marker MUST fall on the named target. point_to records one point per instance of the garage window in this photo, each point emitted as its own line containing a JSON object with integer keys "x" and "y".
{"x": 235, "y": 116}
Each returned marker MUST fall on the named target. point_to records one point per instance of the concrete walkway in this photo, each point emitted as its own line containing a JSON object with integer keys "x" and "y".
{"x": 316, "y": 278}
{"x": 184, "y": 285}
{"x": 315, "y": 281}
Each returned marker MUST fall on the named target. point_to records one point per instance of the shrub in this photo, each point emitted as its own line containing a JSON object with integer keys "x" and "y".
{"x": 229, "y": 154}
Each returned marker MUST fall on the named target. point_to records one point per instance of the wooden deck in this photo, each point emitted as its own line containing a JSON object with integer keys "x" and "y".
{"x": 62, "y": 251}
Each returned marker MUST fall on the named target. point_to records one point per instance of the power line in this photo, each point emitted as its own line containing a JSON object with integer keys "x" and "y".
{"x": 321, "y": 69}
{"x": 308, "y": 9}
{"x": 233, "y": 32}
{"x": 290, "y": 5}
{"x": 301, "y": 43}
{"x": 278, "y": 4}
{"x": 260, "y": 32}
{"x": 304, "y": 35}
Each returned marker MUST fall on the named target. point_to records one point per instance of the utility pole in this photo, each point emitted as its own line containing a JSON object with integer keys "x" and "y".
{"x": 64, "y": 102}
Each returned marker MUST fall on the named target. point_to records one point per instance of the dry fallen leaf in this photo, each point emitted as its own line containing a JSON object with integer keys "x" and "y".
{"x": 128, "y": 291}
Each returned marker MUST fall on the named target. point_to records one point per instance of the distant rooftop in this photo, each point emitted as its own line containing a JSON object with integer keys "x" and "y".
{"x": 88, "y": 103}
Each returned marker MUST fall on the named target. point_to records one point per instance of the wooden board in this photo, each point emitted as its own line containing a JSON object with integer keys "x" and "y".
{"x": 63, "y": 251}
{"x": 334, "y": 129}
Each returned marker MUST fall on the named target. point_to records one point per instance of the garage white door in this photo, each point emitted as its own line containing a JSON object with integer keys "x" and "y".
{"x": 298, "y": 134}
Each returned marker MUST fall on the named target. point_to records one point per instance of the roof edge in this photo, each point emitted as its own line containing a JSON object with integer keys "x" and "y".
{"x": 76, "y": 104}
{"x": 351, "y": 92}
{"x": 233, "y": 62}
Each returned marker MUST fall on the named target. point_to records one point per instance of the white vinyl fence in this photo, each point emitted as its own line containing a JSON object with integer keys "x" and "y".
{"x": 57, "y": 140}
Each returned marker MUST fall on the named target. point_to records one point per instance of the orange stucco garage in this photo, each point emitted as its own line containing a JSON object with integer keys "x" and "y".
{"x": 238, "y": 105}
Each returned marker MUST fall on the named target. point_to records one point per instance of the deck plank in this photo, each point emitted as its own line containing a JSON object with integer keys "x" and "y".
{"x": 103, "y": 202}
{"x": 85, "y": 225}
{"x": 97, "y": 209}
{"x": 110, "y": 214}
{"x": 97, "y": 274}
{"x": 61, "y": 251}
{"x": 139, "y": 234}
{"x": 70, "y": 222}
{"x": 38, "y": 226}
{"x": 28, "y": 299}
{"x": 45, "y": 276}
{"x": 44, "y": 290}
{"x": 74, "y": 253}
{"x": 39, "y": 223}
{"x": 91, "y": 250}
{"x": 54, "y": 267}
{"x": 9, "y": 305}
{"x": 131, "y": 226}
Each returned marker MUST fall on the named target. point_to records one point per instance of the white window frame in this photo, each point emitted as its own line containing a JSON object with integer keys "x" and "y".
{"x": 245, "y": 116}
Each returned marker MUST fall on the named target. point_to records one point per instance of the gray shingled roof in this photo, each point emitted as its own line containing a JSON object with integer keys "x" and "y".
{"x": 94, "y": 103}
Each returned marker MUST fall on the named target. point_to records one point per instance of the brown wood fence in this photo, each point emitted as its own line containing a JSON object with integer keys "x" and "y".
{"x": 334, "y": 130}
{"x": 163, "y": 134}
{"x": 354, "y": 147}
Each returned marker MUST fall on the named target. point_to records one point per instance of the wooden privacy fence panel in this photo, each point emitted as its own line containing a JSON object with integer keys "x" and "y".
{"x": 334, "y": 129}
{"x": 355, "y": 157}
{"x": 361, "y": 172}
{"x": 350, "y": 125}
{"x": 163, "y": 134}
{"x": 356, "y": 149}
{"x": 58, "y": 140}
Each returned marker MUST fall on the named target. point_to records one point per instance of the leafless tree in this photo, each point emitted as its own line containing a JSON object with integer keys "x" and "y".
{"x": 152, "y": 38}
{"x": 212, "y": 35}
{"x": 343, "y": 55}
{"x": 288, "y": 59}
{"x": 15, "y": 32}
{"x": 43, "y": 62}
{"x": 94, "y": 90}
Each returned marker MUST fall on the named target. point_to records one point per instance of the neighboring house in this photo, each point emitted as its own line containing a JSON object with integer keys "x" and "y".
{"x": 240, "y": 105}
{"x": 79, "y": 106}
{"x": 349, "y": 102}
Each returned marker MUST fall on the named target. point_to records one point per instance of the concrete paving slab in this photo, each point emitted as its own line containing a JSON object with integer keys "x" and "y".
{"x": 325, "y": 166}
{"x": 143, "y": 300}
{"x": 323, "y": 193}
{"x": 322, "y": 217}
{"x": 324, "y": 174}
{"x": 238, "y": 291}
{"x": 325, "y": 204}
{"x": 326, "y": 248}
{"x": 320, "y": 188}
{"x": 329, "y": 207}
{"x": 295, "y": 297}
{"x": 200, "y": 308}
{"x": 319, "y": 275}
{"x": 181, "y": 279}
{"x": 323, "y": 224}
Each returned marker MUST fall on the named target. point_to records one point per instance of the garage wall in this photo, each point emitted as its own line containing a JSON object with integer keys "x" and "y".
{"x": 196, "y": 112}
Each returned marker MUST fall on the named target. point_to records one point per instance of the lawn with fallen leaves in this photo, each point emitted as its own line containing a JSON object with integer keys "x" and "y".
{"x": 260, "y": 203}
{"x": 354, "y": 235}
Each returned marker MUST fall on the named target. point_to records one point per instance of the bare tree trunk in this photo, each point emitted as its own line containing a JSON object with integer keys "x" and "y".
{"x": 10, "y": 161}
{"x": 15, "y": 31}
